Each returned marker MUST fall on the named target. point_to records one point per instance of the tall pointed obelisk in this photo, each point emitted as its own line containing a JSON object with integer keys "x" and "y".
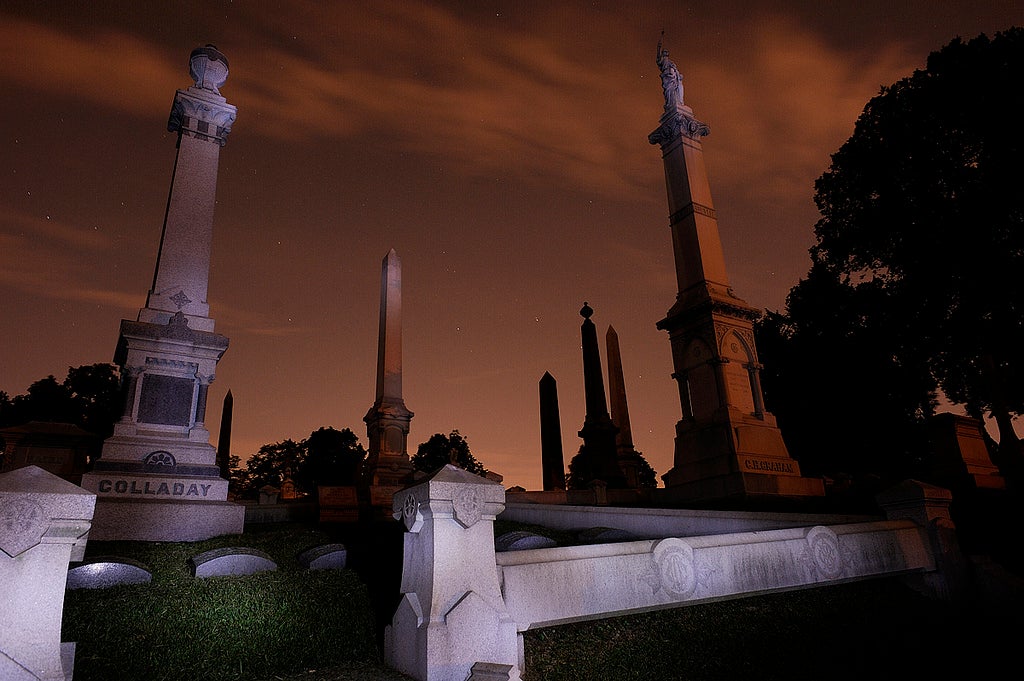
{"x": 727, "y": 445}
{"x": 157, "y": 478}
{"x": 629, "y": 459}
{"x": 224, "y": 437}
{"x": 551, "y": 457}
{"x": 597, "y": 459}
{"x": 387, "y": 422}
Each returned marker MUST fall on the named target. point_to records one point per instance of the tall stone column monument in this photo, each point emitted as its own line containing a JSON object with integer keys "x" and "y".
{"x": 387, "y": 422}
{"x": 598, "y": 457}
{"x": 157, "y": 478}
{"x": 727, "y": 445}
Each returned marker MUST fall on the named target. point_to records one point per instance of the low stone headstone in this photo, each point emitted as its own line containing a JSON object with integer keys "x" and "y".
{"x": 44, "y": 524}
{"x": 338, "y": 504}
{"x": 603, "y": 535}
{"x": 521, "y": 540}
{"x": 105, "y": 572}
{"x": 324, "y": 557}
{"x": 268, "y": 494}
{"x": 230, "y": 561}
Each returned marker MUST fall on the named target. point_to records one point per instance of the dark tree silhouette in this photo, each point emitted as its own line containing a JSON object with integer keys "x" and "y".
{"x": 333, "y": 457}
{"x": 923, "y": 205}
{"x": 443, "y": 449}
{"x": 88, "y": 397}
{"x": 326, "y": 457}
{"x": 850, "y": 401}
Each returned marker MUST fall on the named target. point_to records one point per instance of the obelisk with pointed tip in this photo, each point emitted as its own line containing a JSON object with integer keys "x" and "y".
{"x": 597, "y": 459}
{"x": 551, "y": 456}
{"x": 629, "y": 458}
{"x": 157, "y": 478}
{"x": 224, "y": 438}
{"x": 727, "y": 444}
{"x": 387, "y": 421}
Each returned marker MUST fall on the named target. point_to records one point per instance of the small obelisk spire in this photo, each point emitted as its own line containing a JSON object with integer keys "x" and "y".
{"x": 552, "y": 459}
{"x": 628, "y": 457}
{"x": 389, "y": 338}
{"x": 617, "y": 391}
{"x": 387, "y": 421}
{"x": 202, "y": 118}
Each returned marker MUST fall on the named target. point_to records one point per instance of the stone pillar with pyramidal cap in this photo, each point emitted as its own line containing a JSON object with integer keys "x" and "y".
{"x": 727, "y": 445}
{"x": 387, "y": 421}
{"x": 157, "y": 478}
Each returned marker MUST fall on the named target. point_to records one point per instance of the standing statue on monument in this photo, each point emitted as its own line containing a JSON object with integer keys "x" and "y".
{"x": 671, "y": 80}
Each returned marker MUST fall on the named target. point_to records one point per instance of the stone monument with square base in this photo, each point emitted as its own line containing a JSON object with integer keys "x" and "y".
{"x": 157, "y": 478}
{"x": 727, "y": 444}
{"x": 388, "y": 467}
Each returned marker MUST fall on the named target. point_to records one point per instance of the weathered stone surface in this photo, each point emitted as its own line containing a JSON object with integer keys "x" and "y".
{"x": 574, "y": 583}
{"x": 520, "y": 540}
{"x": 230, "y": 561}
{"x": 154, "y": 520}
{"x": 44, "y": 524}
{"x": 451, "y": 615}
{"x": 602, "y": 535}
{"x": 324, "y": 557}
{"x": 104, "y": 572}
{"x": 490, "y": 671}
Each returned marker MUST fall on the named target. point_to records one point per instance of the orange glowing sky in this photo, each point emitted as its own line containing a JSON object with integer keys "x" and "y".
{"x": 501, "y": 150}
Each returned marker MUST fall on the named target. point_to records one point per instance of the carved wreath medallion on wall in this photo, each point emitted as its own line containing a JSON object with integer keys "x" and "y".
{"x": 674, "y": 570}
{"x": 824, "y": 553}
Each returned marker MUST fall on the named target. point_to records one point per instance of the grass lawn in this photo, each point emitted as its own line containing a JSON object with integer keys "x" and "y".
{"x": 297, "y": 625}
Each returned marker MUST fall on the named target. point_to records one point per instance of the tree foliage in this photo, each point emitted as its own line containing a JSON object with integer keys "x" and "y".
{"x": 443, "y": 449}
{"x": 89, "y": 397}
{"x": 581, "y": 472}
{"x": 916, "y": 280}
{"x": 326, "y": 457}
{"x": 848, "y": 400}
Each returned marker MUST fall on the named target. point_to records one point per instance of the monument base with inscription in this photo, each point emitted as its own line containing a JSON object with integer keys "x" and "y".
{"x": 743, "y": 459}
{"x": 161, "y": 502}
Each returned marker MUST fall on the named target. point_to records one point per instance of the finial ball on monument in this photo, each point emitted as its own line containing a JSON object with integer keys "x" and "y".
{"x": 208, "y": 67}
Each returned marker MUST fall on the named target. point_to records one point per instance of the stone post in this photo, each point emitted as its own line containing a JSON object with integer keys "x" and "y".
{"x": 452, "y": 614}
{"x": 44, "y": 524}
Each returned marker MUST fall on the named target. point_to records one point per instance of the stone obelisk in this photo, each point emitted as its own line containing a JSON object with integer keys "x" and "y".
{"x": 597, "y": 459}
{"x": 727, "y": 445}
{"x": 387, "y": 422}
{"x": 629, "y": 459}
{"x": 224, "y": 437}
{"x": 157, "y": 478}
{"x": 551, "y": 456}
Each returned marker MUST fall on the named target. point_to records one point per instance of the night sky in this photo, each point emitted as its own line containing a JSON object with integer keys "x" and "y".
{"x": 499, "y": 147}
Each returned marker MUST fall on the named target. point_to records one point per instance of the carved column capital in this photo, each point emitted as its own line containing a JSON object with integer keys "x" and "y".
{"x": 675, "y": 124}
{"x": 203, "y": 114}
